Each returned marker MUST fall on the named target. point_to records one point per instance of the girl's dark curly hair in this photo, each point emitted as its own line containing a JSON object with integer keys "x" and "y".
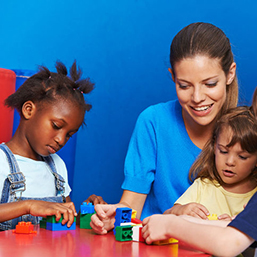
{"x": 46, "y": 86}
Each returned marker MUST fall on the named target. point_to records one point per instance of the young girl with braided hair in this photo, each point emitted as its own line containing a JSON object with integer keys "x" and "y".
{"x": 52, "y": 108}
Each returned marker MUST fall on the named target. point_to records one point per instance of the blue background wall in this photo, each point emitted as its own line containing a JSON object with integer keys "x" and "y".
{"x": 123, "y": 46}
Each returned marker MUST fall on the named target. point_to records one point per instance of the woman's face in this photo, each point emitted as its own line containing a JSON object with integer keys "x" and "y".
{"x": 201, "y": 88}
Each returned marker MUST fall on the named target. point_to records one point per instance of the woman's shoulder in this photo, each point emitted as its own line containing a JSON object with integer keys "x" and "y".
{"x": 162, "y": 109}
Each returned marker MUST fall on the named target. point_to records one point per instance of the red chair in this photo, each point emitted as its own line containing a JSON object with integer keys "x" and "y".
{"x": 7, "y": 87}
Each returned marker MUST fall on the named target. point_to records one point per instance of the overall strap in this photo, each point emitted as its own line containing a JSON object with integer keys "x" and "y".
{"x": 59, "y": 180}
{"x": 15, "y": 181}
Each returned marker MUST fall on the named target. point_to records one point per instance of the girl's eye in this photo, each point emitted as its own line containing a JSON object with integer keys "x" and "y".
{"x": 223, "y": 151}
{"x": 211, "y": 84}
{"x": 55, "y": 126}
{"x": 242, "y": 157}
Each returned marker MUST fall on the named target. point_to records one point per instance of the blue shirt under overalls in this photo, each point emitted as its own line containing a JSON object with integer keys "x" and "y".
{"x": 15, "y": 184}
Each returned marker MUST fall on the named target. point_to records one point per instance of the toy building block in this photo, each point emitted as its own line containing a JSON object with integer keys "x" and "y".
{"x": 52, "y": 219}
{"x": 124, "y": 233}
{"x": 42, "y": 223}
{"x": 137, "y": 234}
{"x": 59, "y": 226}
{"x": 24, "y": 228}
{"x": 85, "y": 220}
{"x": 134, "y": 214}
{"x": 212, "y": 217}
{"x": 52, "y": 224}
{"x": 165, "y": 242}
{"x": 87, "y": 208}
{"x": 123, "y": 215}
{"x": 136, "y": 221}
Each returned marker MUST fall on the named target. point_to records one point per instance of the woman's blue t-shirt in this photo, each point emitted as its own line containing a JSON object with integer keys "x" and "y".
{"x": 159, "y": 157}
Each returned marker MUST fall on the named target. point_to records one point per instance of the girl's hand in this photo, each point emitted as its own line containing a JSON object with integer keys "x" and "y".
{"x": 103, "y": 220}
{"x": 225, "y": 217}
{"x": 192, "y": 209}
{"x": 95, "y": 199}
{"x": 155, "y": 228}
{"x": 43, "y": 208}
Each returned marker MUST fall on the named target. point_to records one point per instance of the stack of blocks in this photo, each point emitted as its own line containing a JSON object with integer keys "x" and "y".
{"x": 86, "y": 211}
{"x": 50, "y": 223}
{"x": 128, "y": 228}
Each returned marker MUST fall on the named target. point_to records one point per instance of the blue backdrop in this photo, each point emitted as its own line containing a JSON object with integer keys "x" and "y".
{"x": 123, "y": 46}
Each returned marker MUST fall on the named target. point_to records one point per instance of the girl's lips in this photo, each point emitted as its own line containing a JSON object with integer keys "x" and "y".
{"x": 51, "y": 149}
{"x": 228, "y": 173}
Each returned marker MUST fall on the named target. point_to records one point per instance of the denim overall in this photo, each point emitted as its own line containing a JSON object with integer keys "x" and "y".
{"x": 15, "y": 184}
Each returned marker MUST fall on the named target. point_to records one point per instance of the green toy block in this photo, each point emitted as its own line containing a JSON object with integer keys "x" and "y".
{"x": 124, "y": 233}
{"x": 85, "y": 220}
{"x": 52, "y": 219}
{"x": 42, "y": 223}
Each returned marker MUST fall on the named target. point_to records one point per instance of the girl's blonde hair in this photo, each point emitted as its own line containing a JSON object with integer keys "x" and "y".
{"x": 243, "y": 124}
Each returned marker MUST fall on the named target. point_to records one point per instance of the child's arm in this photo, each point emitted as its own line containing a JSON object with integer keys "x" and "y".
{"x": 95, "y": 199}
{"x": 38, "y": 208}
{"x": 220, "y": 241}
{"x": 191, "y": 209}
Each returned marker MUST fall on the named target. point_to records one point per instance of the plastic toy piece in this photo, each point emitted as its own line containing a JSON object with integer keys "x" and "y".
{"x": 134, "y": 214}
{"x": 124, "y": 233}
{"x": 212, "y": 217}
{"x": 85, "y": 220}
{"x": 52, "y": 219}
{"x": 42, "y": 223}
{"x": 87, "y": 208}
{"x": 137, "y": 234}
{"x": 59, "y": 226}
{"x": 136, "y": 221}
{"x": 165, "y": 242}
{"x": 24, "y": 228}
{"x": 122, "y": 215}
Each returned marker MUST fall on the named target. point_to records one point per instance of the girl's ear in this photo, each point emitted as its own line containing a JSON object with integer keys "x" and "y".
{"x": 172, "y": 74}
{"x": 28, "y": 109}
{"x": 231, "y": 73}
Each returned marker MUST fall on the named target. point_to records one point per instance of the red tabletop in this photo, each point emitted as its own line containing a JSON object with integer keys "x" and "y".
{"x": 82, "y": 242}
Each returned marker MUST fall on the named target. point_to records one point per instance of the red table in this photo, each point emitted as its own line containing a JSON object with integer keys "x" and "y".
{"x": 82, "y": 242}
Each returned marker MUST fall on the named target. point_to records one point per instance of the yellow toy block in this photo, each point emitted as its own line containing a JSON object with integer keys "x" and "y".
{"x": 212, "y": 217}
{"x": 166, "y": 242}
{"x": 134, "y": 214}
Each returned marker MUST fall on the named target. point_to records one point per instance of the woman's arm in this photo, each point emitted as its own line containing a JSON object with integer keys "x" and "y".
{"x": 104, "y": 219}
{"x": 217, "y": 240}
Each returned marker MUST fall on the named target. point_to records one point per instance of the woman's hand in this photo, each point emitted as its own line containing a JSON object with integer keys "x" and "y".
{"x": 191, "y": 209}
{"x": 103, "y": 220}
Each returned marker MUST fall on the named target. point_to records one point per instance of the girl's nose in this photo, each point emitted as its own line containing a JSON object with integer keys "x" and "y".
{"x": 60, "y": 139}
{"x": 230, "y": 160}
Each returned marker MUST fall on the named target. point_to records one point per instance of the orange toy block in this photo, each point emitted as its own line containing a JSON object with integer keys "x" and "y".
{"x": 24, "y": 228}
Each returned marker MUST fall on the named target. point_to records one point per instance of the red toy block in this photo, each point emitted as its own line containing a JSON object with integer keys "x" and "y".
{"x": 24, "y": 228}
{"x": 136, "y": 221}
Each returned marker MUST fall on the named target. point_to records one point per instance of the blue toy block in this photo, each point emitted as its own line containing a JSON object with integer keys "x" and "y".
{"x": 87, "y": 208}
{"x": 123, "y": 215}
{"x": 59, "y": 226}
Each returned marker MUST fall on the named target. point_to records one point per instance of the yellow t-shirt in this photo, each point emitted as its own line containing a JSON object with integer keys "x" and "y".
{"x": 215, "y": 198}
